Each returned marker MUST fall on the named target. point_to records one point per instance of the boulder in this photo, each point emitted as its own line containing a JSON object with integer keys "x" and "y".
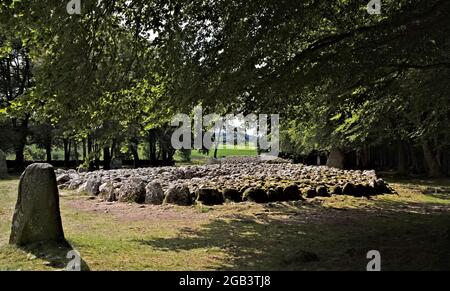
{"x": 292, "y": 193}
{"x": 209, "y": 196}
{"x": 349, "y": 189}
{"x": 337, "y": 190}
{"x": 154, "y": 193}
{"x": 82, "y": 188}
{"x": 275, "y": 194}
{"x": 311, "y": 193}
{"x": 74, "y": 184}
{"x": 93, "y": 186}
{"x": 63, "y": 178}
{"x": 232, "y": 195}
{"x": 381, "y": 187}
{"x": 37, "y": 216}
{"x": 257, "y": 195}
{"x": 107, "y": 192}
{"x": 132, "y": 191}
{"x": 3, "y": 166}
{"x": 360, "y": 190}
{"x": 178, "y": 195}
{"x": 322, "y": 191}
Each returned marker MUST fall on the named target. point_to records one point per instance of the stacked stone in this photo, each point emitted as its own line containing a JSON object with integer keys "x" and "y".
{"x": 252, "y": 180}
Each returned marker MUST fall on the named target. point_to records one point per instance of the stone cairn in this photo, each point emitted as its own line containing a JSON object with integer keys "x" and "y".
{"x": 232, "y": 179}
{"x": 37, "y": 216}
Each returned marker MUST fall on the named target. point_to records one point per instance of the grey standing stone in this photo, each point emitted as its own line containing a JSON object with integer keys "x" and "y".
{"x": 336, "y": 159}
{"x": 3, "y": 166}
{"x": 37, "y": 216}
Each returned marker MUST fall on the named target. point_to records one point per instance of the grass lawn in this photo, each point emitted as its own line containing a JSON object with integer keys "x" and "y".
{"x": 223, "y": 151}
{"x": 411, "y": 230}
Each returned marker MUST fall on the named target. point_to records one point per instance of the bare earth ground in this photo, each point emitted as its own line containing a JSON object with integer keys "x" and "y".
{"x": 411, "y": 230}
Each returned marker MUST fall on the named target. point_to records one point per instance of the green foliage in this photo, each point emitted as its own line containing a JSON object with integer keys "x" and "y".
{"x": 185, "y": 155}
{"x": 339, "y": 76}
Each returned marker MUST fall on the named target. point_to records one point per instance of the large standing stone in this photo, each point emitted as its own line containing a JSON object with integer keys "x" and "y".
{"x": 37, "y": 217}
{"x": 336, "y": 159}
{"x": 3, "y": 166}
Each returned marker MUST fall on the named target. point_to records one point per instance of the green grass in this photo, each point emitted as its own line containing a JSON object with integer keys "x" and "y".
{"x": 223, "y": 151}
{"x": 411, "y": 230}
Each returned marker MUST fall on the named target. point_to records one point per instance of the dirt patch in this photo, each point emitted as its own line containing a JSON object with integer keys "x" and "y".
{"x": 137, "y": 212}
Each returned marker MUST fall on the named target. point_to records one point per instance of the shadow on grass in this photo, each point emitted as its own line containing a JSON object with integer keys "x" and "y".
{"x": 57, "y": 254}
{"x": 442, "y": 196}
{"x": 435, "y": 188}
{"x": 417, "y": 181}
{"x": 319, "y": 238}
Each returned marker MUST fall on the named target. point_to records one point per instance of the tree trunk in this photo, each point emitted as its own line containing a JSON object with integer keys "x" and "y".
{"x": 20, "y": 159}
{"x": 106, "y": 158}
{"x": 66, "y": 152}
{"x": 134, "y": 151}
{"x": 75, "y": 151}
{"x": 89, "y": 146}
{"x": 48, "y": 152}
{"x": 152, "y": 148}
{"x": 96, "y": 156}
{"x": 364, "y": 157}
{"x": 22, "y": 132}
{"x": 434, "y": 170}
{"x": 114, "y": 148}
{"x": 84, "y": 150}
{"x": 402, "y": 167}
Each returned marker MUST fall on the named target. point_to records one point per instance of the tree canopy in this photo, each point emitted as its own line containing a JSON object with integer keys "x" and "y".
{"x": 338, "y": 76}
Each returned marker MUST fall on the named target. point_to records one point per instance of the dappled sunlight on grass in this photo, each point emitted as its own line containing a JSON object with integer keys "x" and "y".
{"x": 411, "y": 230}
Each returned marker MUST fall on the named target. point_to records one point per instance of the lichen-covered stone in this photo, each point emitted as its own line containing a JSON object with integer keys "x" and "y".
{"x": 37, "y": 216}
